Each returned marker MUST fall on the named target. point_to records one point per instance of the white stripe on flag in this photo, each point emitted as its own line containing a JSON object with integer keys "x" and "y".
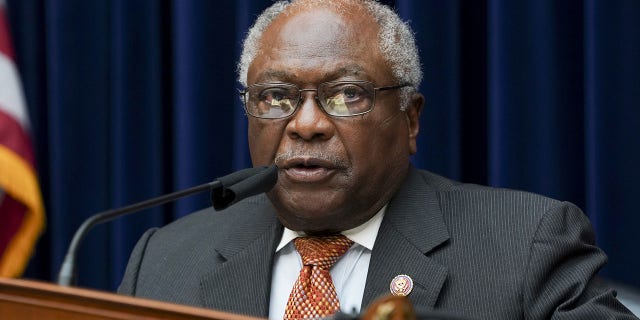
{"x": 11, "y": 99}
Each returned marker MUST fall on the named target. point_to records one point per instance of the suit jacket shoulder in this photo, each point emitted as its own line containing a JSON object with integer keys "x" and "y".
{"x": 489, "y": 253}
{"x": 220, "y": 260}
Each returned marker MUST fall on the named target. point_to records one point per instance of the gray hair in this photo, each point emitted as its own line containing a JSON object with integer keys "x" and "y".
{"x": 395, "y": 40}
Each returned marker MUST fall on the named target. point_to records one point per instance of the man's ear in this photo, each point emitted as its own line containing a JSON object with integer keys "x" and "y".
{"x": 414, "y": 109}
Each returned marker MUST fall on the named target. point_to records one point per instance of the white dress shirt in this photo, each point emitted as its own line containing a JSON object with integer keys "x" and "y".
{"x": 349, "y": 274}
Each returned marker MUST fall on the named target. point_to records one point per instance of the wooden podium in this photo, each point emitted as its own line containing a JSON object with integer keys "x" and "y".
{"x": 24, "y": 300}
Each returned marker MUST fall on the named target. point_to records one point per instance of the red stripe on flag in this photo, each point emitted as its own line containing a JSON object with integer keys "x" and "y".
{"x": 13, "y": 136}
{"x": 11, "y": 214}
{"x": 5, "y": 43}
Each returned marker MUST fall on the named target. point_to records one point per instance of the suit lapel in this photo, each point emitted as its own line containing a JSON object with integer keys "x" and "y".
{"x": 241, "y": 282}
{"x": 411, "y": 229}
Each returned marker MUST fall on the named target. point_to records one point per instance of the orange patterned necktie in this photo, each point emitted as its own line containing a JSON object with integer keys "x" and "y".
{"x": 313, "y": 295}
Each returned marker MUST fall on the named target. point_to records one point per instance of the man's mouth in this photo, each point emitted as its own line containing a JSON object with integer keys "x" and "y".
{"x": 306, "y": 169}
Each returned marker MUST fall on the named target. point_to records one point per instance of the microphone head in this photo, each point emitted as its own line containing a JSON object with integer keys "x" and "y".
{"x": 243, "y": 184}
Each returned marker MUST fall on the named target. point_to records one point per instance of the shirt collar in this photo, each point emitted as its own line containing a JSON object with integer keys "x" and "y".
{"x": 364, "y": 234}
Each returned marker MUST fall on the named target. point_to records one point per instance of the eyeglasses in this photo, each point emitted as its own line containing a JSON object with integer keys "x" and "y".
{"x": 337, "y": 98}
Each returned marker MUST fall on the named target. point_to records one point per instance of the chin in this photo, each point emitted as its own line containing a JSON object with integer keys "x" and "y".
{"x": 313, "y": 201}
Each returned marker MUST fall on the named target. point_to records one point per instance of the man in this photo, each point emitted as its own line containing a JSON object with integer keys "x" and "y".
{"x": 330, "y": 97}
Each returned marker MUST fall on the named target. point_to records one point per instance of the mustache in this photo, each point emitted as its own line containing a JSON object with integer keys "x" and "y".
{"x": 335, "y": 161}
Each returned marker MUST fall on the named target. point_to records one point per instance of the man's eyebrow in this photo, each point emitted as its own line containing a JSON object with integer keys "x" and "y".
{"x": 281, "y": 75}
{"x": 348, "y": 70}
{"x": 271, "y": 74}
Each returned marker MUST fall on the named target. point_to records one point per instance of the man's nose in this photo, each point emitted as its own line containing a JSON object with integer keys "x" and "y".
{"x": 310, "y": 122}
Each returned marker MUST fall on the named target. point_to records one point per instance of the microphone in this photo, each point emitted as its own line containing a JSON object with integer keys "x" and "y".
{"x": 225, "y": 191}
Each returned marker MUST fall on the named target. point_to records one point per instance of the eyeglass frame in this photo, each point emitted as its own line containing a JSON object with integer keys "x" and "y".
{"x": 243, "y": 96}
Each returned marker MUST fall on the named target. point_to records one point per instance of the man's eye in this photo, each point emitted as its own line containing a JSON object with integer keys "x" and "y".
{"x": 351, "y": 92}
{"x": 270, "y": 95}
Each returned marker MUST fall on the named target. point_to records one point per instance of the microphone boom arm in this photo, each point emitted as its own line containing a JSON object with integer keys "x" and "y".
{"x": 66, "y": 275}
{"x": 226, "y": 191}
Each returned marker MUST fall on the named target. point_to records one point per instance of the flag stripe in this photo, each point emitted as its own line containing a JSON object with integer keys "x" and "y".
{"x": 11, "y": 221}
{"x": 11, "y": 99}
{"x": 13, "y": 137}
{"x": 5, "y": 44}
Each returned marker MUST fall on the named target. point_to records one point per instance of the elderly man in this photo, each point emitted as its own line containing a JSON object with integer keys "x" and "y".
{"x": 330, "y": 99}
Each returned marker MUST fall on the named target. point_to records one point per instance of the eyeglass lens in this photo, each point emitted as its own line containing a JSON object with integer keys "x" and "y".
{"x": 336, "y": 98}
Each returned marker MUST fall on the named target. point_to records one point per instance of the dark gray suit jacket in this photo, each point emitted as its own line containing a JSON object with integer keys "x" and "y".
{"x": 475, "y": 251}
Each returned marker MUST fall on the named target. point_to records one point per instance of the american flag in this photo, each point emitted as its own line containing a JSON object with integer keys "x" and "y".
{"x": 21, "y": 209}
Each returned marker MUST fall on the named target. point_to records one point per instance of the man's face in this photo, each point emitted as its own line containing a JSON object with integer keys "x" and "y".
{"x": 335, "y": 173}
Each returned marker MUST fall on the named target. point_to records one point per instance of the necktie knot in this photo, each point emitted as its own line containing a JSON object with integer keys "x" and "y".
{"x": 314, "y": 295}
{"x": 322, "y": 252}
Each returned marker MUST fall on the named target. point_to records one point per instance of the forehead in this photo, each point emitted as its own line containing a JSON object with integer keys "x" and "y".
{"x": 319, "y": 42}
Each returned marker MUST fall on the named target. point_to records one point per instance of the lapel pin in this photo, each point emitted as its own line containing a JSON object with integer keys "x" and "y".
{"x": 401, "y": 285}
